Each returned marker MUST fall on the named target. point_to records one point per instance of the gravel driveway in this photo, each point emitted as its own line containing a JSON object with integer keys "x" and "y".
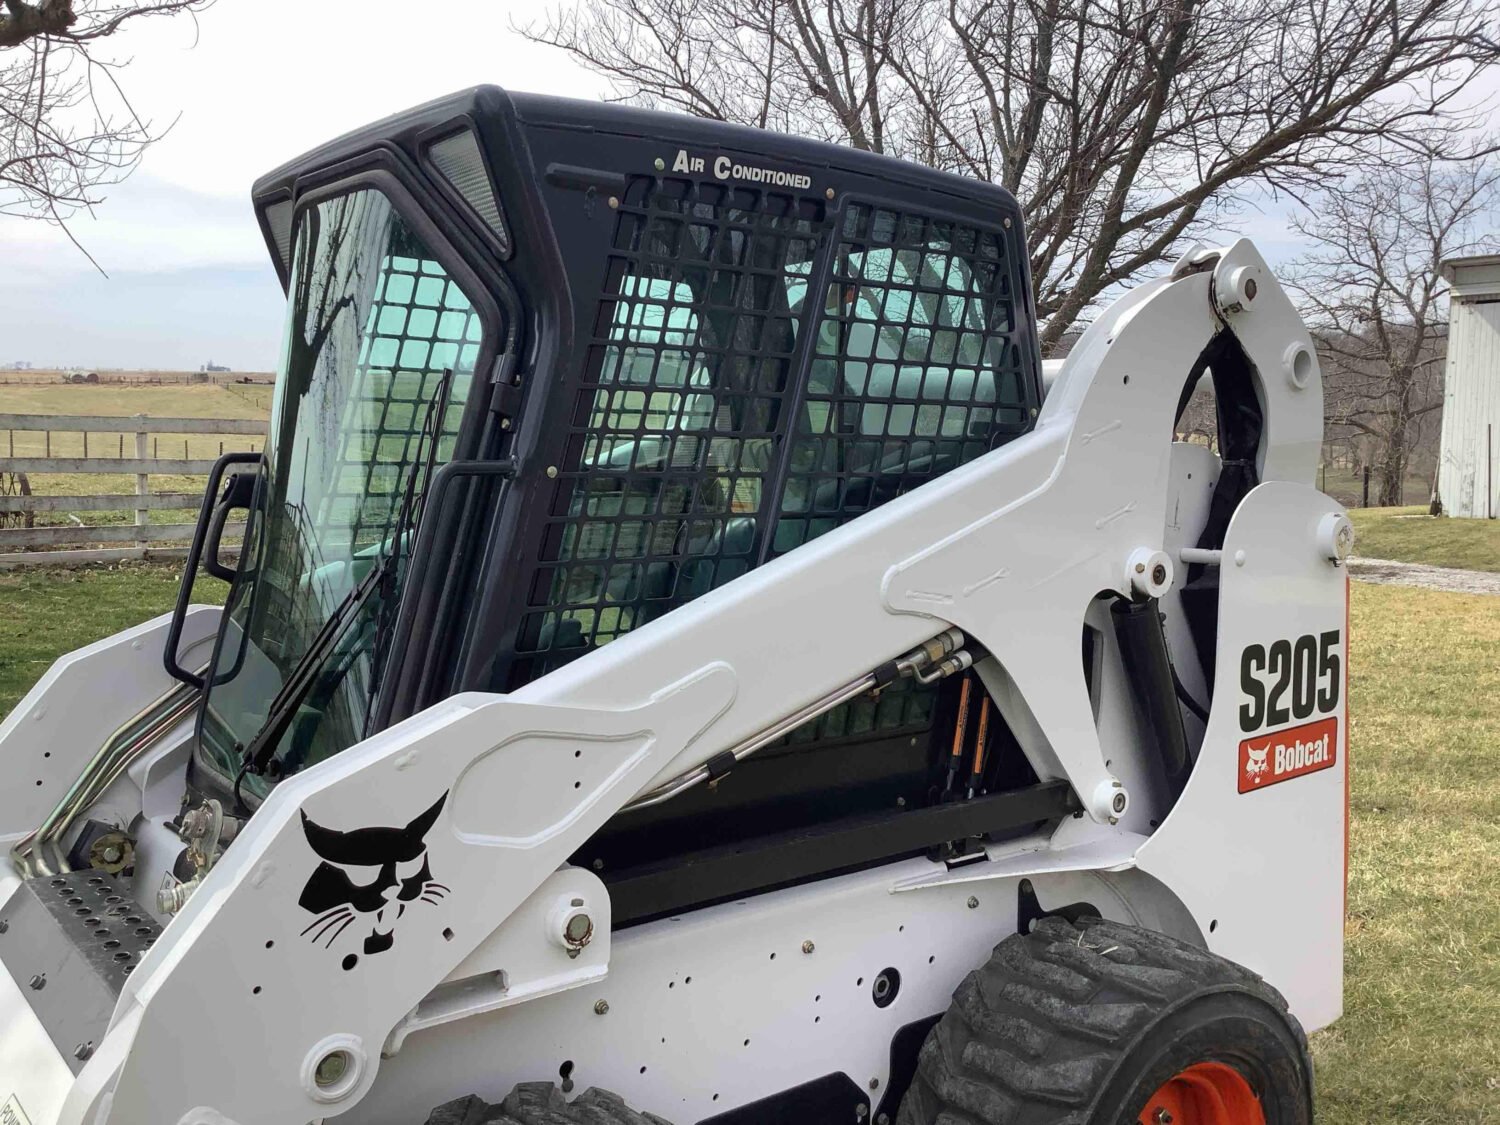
{"x": 1393, "y": 573}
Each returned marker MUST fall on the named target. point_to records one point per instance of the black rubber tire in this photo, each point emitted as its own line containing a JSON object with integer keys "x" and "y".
{"x": 1079, "y": 1024}
{"x": 542, "y": 1103}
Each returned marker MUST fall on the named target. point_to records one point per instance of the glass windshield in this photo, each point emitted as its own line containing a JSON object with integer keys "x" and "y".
{"x": 379, "y": 350}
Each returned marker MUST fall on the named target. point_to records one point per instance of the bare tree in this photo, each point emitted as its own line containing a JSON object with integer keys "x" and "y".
{"x": 66, "y": 127}
{"x": 1123, "y": 126}
{"x": 1373, "y": 293}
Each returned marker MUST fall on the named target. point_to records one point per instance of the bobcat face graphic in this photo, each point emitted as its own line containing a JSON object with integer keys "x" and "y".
{"x": 368, "y": 874}
{"x": 1256, "y": 764}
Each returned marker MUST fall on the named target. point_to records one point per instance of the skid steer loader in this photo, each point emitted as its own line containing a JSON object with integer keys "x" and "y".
{"x": 687, "y": 645}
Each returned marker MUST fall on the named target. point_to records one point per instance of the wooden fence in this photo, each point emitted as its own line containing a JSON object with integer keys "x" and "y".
{"x": 39, "y": 449}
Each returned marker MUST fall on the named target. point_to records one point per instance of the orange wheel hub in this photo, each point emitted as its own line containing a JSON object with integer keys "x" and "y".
{"x": 1206, "y": 1093}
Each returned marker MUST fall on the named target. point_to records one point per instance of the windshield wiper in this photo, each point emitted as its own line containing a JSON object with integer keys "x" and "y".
{"x": 262, "y": 748}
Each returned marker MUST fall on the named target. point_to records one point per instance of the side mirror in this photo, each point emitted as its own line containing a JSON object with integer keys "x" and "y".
{"x": 238, "y": 493}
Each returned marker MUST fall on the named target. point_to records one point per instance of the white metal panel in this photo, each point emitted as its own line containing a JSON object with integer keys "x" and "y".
{"x": 1263, "y": 870}
{"x": 1469, "y": 466}
{"x": 78, "y": 703}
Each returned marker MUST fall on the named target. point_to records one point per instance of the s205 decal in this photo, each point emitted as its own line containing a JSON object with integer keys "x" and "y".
{"x": 1283, "y": 682}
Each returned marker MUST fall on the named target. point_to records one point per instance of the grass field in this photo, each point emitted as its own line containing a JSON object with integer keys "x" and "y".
{"x": 1411, "y": 535}
{"x": 1419, "y": 1043}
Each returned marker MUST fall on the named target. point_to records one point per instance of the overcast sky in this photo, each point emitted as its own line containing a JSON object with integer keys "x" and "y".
{"x": 256, "y": 84}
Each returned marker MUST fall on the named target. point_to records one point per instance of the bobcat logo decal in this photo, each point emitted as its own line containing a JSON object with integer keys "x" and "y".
{"x": 368, "y": 873}
{"x": 1255, "y": 763}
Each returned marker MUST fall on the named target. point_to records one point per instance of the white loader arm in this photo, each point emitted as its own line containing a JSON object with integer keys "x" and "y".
{"x": 229, "y": 1014}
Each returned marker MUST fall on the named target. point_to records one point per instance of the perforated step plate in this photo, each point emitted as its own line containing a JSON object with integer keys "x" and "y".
{"x": 70, "y": 942}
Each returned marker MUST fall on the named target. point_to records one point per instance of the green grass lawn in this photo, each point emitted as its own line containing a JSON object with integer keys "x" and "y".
{"x": 1419, "y": 1043}
{"x": 1411, "y": 535}
{"x": 47, "y": 612}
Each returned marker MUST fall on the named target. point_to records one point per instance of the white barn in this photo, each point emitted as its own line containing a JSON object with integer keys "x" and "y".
{"x": 1469, "y": 469}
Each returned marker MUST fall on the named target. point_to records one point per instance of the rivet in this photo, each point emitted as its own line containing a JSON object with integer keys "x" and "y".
{"x": 660, "y": 164}
{"x": 598, "y": 865}
{"x": 1239, "y": 558}
{"x": 861, "y": 1111}
{"x": 601, "y": 1007}
{"x": 614, "y": 203}
{"x": 829, "y": 193}
{"x": 973, "y": 902}
{"x": 808, "y": 947}
{"x": 551, "y": 471}
{"x": 1006, "y": 224}
{"x": 505, "y": 423}
{"x": 874, "y": 1083}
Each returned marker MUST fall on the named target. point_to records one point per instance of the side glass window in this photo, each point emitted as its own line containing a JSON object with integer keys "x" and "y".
{"x": 915, "y": 369}
{"x": 661, "y": 496}
{"x": 379, "y": 349}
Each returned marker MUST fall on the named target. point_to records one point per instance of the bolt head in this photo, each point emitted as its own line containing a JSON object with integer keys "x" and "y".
{"x": 331, "y": 1068}
{"x": 1162, "y": 1117}
{"x": 874, "y": 1083}
{"x": 973, "y": 902}
{"x": 614, "y": 202}
{"x": 808, "y": 947}
{"x": 1118, "y": 804}
{"x": 660, "y": 164}
{"x": 38, "y": 982}
{"x": 1006, "y": 224}
{"x": 83, "y": 1051}
{"x": 579, "y": 930}
{"x": 601, "y": 1007}
{"x": 4, "y": 925}
{"x": 1159, "y": 574}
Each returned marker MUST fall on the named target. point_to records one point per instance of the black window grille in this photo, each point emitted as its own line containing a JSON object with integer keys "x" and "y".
{"x": 915, "y": 369}
{"x": 687, "y": 413}
{"x": 678, "y": 420}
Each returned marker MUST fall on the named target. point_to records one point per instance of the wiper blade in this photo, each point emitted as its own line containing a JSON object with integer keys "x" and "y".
{"x": 279, "y": 716}
{"x": 262, "y": 748}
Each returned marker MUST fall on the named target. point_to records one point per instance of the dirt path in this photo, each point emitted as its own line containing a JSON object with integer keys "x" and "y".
{"x": 1393, "y": 573}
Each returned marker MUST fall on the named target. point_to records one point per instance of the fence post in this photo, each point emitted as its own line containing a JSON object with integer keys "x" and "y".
{"x": 1366, "y": 501}
{"x": 142, "y": 485}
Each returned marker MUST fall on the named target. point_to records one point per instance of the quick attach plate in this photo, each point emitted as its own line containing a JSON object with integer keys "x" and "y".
{"x": 70, "y": 941}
